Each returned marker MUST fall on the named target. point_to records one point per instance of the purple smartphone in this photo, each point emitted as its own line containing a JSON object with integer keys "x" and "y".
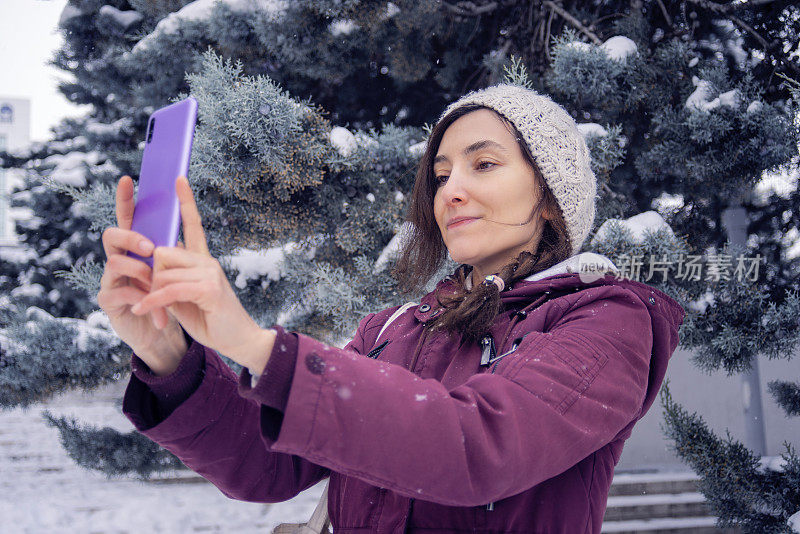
{"x": 167, "y": 151}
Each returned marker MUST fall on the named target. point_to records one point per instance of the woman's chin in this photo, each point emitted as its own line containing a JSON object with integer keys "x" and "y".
{"x": 461, "y": 257}
{"x": 465, "y": 250}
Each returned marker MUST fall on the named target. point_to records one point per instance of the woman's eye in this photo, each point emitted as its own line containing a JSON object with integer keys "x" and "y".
{"x": 441, "y": 179}
{"x": 482, "y": 163}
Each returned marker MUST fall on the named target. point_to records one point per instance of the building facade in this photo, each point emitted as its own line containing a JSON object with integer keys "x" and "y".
{"x": 15, "y": 122}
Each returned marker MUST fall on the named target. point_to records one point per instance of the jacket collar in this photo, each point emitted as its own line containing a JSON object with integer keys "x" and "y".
{"x": 587, "y": 263}
{"x": 581, "y": 271}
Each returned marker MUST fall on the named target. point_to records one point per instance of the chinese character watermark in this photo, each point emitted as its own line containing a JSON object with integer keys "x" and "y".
{"x": 688, "y": 267}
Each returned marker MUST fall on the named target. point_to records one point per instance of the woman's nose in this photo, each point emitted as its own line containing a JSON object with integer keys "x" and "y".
{"x": 453, "y": 191}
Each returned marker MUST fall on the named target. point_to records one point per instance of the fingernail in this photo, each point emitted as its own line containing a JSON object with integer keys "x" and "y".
{"x": 136, "y": 307}
{"x": 145, "y": 245}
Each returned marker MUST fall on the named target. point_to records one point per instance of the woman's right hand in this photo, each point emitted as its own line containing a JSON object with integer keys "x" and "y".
{"x": 125, "y": 282}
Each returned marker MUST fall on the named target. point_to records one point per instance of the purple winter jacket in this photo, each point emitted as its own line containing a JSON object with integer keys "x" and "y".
{"x": 414, "y": 433}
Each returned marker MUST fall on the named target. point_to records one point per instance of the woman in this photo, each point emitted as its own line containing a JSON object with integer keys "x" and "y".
{"x": 500, "y": 403}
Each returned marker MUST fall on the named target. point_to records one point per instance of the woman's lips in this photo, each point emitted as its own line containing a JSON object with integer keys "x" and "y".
{"x": 461, "y": 222}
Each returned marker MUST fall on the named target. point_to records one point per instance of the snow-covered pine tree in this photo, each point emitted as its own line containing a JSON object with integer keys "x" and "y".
{"x": 52, "y": 339}
{"x": 757, "y": 494}
{"x": 687, "y": 83}
{"x": 673, "y": 97}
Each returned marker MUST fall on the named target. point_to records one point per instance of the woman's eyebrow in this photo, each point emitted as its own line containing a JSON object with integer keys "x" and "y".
{"x": 474, "y": 147}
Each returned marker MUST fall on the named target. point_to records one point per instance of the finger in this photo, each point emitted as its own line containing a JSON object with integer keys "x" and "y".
{"x": 125, "y": 203}
{"x": 171, "y": 276}
{"x": 111, "y": 299}
{"x": 180, "y": 244}
{"x": 192, "y": 224}
{"x": 119, "y": 241}
{"x": 173, "y": 293}
{"x": 159, "y": 318}
{"x": 119, "y": 268}
{"x": 165, "y": 258}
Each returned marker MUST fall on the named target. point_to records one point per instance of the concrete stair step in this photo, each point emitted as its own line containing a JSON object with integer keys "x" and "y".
{"x": 680, "y": 525}
{"x": 659, "y": 503}
{"x": 653, "y": 483}
{"x": 179, "y": 477}
{"x": 631, "y": 507}
{"x": 670, "y": 505}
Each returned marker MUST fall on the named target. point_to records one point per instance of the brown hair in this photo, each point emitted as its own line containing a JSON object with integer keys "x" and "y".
{"x": 470, "y": 313}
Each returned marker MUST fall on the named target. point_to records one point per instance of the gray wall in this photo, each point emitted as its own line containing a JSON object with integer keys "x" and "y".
{"x": 718, "y": 399}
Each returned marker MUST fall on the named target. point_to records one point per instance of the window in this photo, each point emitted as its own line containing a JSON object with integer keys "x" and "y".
{"x": 3, "y": 201}
{"x": 6, "y": 113}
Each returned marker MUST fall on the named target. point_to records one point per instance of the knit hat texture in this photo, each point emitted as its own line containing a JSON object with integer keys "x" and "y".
{"x": 558, "y": 149}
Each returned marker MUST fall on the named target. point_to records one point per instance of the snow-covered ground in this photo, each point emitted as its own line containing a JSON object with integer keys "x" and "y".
{"x": 42, "y": 490}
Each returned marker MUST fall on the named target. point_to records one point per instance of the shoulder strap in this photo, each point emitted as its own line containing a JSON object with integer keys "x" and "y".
{"x": 319, "y": 519}
{"x": 318, "y": 524}
{"x": 400, "y": 311}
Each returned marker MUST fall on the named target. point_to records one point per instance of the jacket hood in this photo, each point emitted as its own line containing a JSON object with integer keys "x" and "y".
{"x": 587, "y": 270}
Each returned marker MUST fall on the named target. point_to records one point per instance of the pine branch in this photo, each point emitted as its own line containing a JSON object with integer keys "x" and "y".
{"x": 749, "y": 29}
{"x": 110, "y": 451}
{"x": 44, "y": 355}
{"x": 572, "y": 20}
{"x": 517, "y": 74}
{"x": 85, "y": 276}
{"x": 767, "y": 46}
{"x": 665, "y": 13}
{"x": 469, "y": 9}
{"x": 736, "y": 6}
{"x": 787, "y": 395}
{"x": 738, "y": 489}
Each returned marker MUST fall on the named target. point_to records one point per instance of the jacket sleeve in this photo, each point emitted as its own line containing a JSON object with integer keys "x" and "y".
{"x": 561, "y": 396}
{"x": 214, "y": 430}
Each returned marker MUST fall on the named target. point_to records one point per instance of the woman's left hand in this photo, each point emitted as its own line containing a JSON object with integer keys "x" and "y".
{"x": 191, "y": 284}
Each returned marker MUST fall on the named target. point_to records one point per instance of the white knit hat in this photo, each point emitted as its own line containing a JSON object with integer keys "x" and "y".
{"x": 557, "y": 147}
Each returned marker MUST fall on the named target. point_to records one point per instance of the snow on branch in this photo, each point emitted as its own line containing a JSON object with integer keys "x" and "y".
{"x": 639, "y": 226}
{"x": 701, "y": 99}
{"x": 201, "y": 11}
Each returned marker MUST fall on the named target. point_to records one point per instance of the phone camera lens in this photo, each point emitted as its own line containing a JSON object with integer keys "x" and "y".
{"x": 150, "y": 129}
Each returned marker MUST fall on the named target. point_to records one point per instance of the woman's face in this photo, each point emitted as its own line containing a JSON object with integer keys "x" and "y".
{"x": 484, "y": 181}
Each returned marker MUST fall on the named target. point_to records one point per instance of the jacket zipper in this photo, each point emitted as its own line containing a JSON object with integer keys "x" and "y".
{"x": 488, "y": 350}
{"x": 417, "y": 352}
{"x": 411, "y": 368}
{"x": 489, "y": 355}
{"x": 377, "y": 350}
{"x": 496, "y": 359}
